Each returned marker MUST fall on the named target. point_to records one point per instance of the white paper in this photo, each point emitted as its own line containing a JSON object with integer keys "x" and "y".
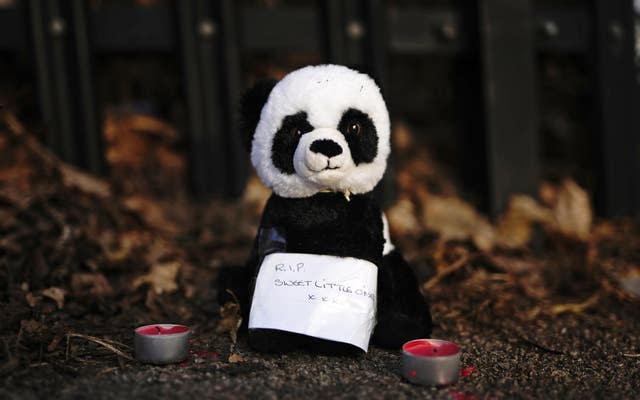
{"x": 322, "y": 296}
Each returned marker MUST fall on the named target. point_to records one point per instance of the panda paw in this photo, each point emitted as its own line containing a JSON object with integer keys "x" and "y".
{"x": 392, "y": 331}
{"x": 272, "y": 341}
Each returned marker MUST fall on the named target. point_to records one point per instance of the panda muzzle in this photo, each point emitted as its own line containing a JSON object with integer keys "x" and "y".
{"x": 326, "y": 147}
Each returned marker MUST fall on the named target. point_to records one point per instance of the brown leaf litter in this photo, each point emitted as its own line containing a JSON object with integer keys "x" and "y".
{"x": 134, "y": 247}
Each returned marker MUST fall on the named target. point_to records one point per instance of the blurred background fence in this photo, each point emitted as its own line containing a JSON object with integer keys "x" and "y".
{"x": 526, "y": 89}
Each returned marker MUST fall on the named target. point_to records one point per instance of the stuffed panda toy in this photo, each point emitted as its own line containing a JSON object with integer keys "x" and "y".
{"x": 319, "y": 139}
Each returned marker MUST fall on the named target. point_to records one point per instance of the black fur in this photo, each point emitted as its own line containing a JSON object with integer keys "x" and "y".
{"x": 364, "y": 144}
{"x": 403, "y": 313}
{"x": 286, "y": 141}
{"x": 250, "y": 108}
{"x": 327, "y": 223}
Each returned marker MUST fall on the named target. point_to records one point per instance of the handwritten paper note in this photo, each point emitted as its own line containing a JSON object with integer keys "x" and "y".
{"x": 322, "y": 296}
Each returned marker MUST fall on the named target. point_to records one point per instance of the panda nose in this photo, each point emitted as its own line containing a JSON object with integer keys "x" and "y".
{"x": 327, "y": 147}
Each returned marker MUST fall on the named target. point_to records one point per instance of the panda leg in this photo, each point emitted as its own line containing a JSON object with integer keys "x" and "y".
{"x": 236, "y": 280}
{"x": 403, "y": 313}
{"x": 273, "y": 341}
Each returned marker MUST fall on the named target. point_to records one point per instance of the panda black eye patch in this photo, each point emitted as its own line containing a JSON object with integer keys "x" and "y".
{"x": 360, "y": 133}
{"x": 286, "y": 141}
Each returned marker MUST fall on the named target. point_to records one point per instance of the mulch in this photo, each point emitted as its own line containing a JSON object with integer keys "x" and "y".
{"x": 84, "y": 260}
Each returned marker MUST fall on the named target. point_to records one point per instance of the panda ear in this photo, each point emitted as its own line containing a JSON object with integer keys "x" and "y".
{"x": 251, "y": 106}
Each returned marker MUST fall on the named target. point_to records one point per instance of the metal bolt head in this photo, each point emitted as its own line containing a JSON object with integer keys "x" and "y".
{"x": 57, "y": 26}
{"x": 206, "y": 28}
{"x": 355, "y": 29}
{"x": 448, "y": 31}
{"x": 549, "y": 28}
{"x": 616, "y": 30}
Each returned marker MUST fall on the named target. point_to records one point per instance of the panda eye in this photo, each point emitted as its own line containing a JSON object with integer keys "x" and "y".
{"x": 296, "y": 131}
{"x": 354, "y": 128}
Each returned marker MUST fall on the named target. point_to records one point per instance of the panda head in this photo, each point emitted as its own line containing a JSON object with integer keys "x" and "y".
{"x": 321, "y": 128}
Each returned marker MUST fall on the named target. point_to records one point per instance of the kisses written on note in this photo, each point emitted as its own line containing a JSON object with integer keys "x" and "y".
{"x": 316, "y": 295}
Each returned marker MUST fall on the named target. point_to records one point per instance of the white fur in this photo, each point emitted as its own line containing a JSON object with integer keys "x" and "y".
{"x": 388, "y": 246}
{"x": 324, "y": 92}
{"x": 312, "y": 165}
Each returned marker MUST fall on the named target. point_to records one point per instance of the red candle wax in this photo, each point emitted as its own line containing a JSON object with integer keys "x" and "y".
{"x": 153, "y": 330}
{"x": 431, "y": 348}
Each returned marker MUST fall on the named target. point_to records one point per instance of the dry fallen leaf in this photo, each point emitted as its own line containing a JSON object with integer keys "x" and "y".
{"x": 34, "y": 332}
{"x": 402, "y": 218}
{"x": 129, "y": 138}
{"x": 513, "y": 265}
{"x": 153, "y": 213}
{"x": 534, "y": 286}
{"x": 402, "y": 137}
{"x": 514, "y": 227}
{"x": 533, "y": 313}
{"x": 450, "y": 217}
{"x": 445, "y": 270}
{"x": 454, "y": 219}
{"x": 73, "y": 177}
{"x": 118, "y": 247}
{"x": 143, "y": 157}
{"x": 235, "y": 357}
{"x": 548, "y": 193}
{"x": 572, "y": 211}
{"x": 94, "y": 284}
{"x": 56, "y": 294}
{"x": 631, "y": 283}
{"x": 161, "y": 278}
{"x": 255, "y": 193}
{"x": 484, "y": 237}
{"x": 575, "y": 308}
{"x": 32, "y": 300}
{"x": 230, "y": 320}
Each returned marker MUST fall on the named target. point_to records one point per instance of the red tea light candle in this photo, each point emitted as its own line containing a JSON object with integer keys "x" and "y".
{"x": 161, "y": 343}
{"x": 431, "y": 361}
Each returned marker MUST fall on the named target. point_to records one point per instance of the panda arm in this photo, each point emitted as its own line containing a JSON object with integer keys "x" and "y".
{"x": 403, "y": 313}
{"x": 239, "y": 279}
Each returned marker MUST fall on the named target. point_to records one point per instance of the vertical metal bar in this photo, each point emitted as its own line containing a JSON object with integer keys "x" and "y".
{"x": 196, "y": 129}
{"x": 616, "y": 105}
{"x": 334, "y": 24}
{"x": 635, "y": 105}
{"x": 45, "y": 89}
{"x": 60, "y": 78}
{"x": 86, "y": 112}
{"x": 61, "y": 52}
{"x": 207, "y": 144}
{"x": 215, "y": 154}
{"x": 231, "y": 59}
{"x": 467, "y": 87}
{"x": 375, "y": 49}
{"x": 376, "y": 45}
{"x": 345, "y": 32}
{"x": 356, "y": 36}
{"x": 356, "y": 31}
{"x": 506, "y": 33}
{"x": 199, "y": 145}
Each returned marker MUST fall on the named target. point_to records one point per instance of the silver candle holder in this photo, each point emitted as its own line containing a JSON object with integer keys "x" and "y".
{"x": 161, "y": 343}
{"x": 431, "y": 362}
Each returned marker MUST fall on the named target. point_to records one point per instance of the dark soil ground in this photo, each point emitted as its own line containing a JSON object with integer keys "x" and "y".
{"x": 83, "y": 262}
{"x": 592, "y": 355}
